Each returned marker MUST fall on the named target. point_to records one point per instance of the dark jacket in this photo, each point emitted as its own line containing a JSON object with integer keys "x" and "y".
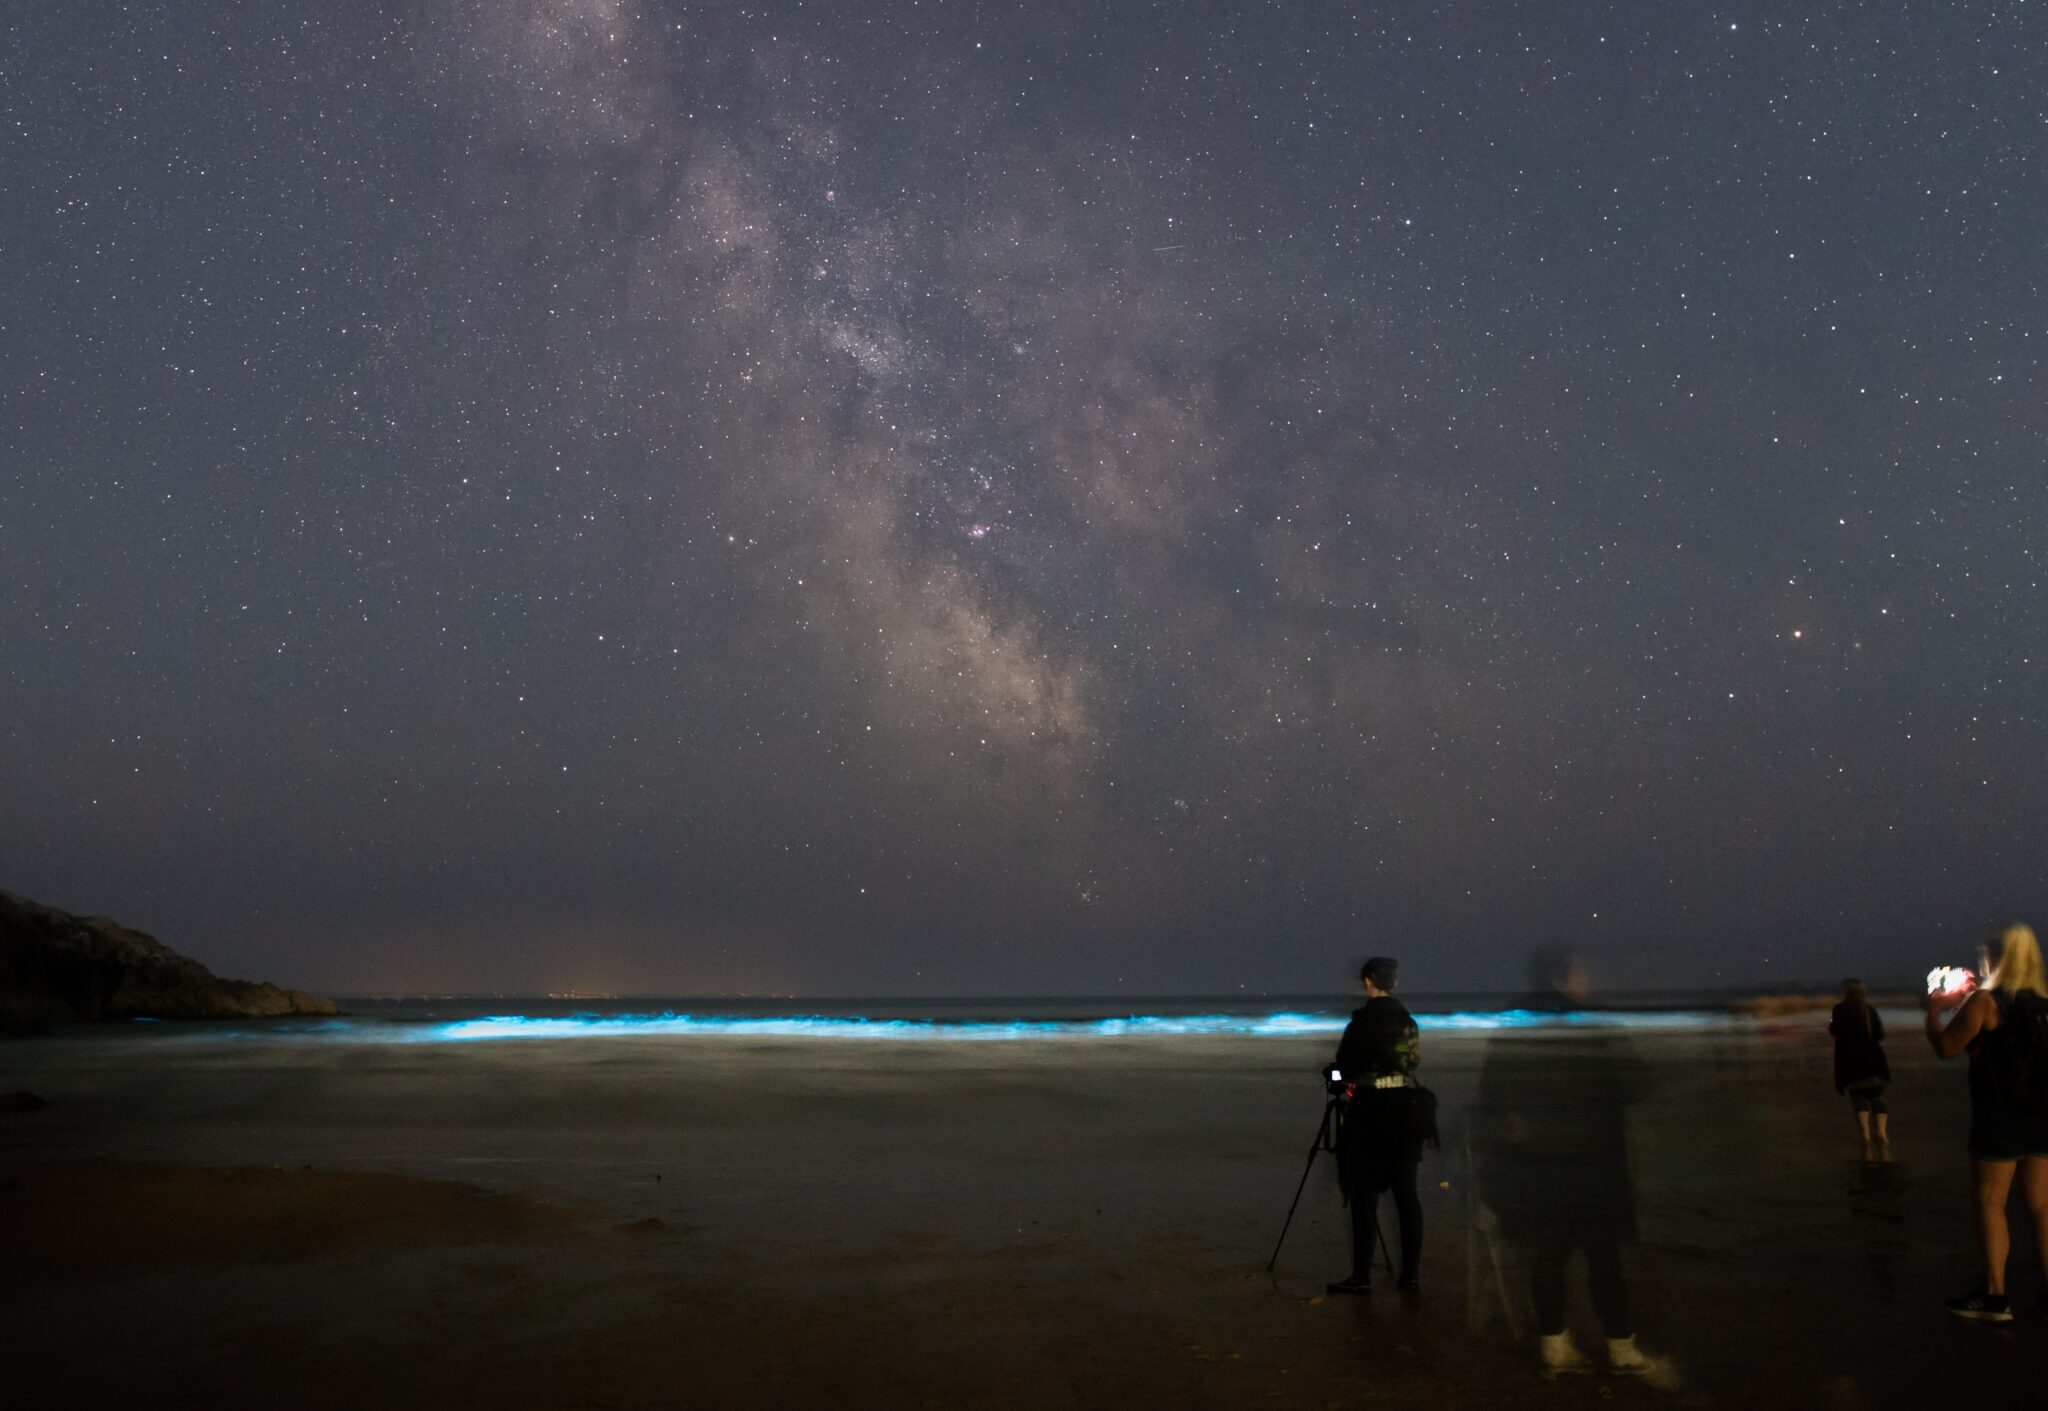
{"x": 1381, "y": 1041}
{"x": 1384, "y": 1128}
{"x": 1859, "y": 1048}
{"x": 1550, "y": 1129}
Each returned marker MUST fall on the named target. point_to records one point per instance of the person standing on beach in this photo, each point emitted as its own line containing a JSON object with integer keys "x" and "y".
{"x": 1386, "y": 1120}
{"x": 2003, "y": 1026}
{"x": 1861, "y": 1070}
{"x": 1550, "y": 1150}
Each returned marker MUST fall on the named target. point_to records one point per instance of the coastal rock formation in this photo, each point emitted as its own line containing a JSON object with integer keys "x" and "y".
{"x": 57, "y": 968}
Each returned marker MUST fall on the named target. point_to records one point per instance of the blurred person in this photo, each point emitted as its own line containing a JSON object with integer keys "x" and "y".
{"x": 1861, "y": 1070}
{"x": 1551, "y": 1160}
{"x": 1387, "y": 1118}
{"x": 2003, "y": 1026}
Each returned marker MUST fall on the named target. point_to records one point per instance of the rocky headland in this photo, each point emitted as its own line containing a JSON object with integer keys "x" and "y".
{"x": 57, "y": 968}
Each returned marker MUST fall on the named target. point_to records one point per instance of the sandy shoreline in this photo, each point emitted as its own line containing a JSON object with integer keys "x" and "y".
{"x": 1018, "y": 1224}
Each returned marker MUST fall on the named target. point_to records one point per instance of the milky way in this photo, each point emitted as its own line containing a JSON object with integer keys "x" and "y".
{"x": 1020, "y": 498}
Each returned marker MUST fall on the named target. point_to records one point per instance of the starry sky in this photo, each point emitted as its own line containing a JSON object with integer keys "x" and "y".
{"x": 999, "y": 498}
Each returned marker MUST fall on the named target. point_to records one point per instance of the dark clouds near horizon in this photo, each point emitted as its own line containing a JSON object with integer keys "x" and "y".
{"x": 510, "y": 494}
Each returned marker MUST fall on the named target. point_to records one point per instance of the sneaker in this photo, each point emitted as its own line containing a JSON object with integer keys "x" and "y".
{"x": 1984, "y": 1307}
{"x": 1352, "y": 1285}
{"x": 1407, "y": 1283}
{"x": 1625, "y": 1359}
{"x": 1560, "y": 1357}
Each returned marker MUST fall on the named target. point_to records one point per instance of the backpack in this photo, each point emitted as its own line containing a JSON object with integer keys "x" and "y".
{"x": 2023, "y": 1054}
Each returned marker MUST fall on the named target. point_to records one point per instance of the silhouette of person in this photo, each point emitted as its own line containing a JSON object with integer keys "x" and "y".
{"x": 1386, "y": 1121}
{"x": 1861, "y": 1070}
{"x": 1551, "y": 1159}
{"x": 1999, "y": 1026}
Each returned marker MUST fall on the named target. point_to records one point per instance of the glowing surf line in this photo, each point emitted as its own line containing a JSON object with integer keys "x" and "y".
{"x": 522, "y": 1026}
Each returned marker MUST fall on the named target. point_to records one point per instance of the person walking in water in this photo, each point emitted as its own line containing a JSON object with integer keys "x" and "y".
{"x": 1861, "y": 1071}
{"x": 2003, "y": 1026}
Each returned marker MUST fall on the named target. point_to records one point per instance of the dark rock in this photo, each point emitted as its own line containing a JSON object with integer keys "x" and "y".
{"x": 21, "y": 1102}
{"x": 57, "y": 968}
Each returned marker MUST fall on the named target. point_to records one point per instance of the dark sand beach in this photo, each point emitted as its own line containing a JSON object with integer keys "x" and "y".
{"x": 233, "y": 1218}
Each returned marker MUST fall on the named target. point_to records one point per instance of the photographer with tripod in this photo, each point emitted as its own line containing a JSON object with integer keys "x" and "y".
{"x": 1385, "y": 1118}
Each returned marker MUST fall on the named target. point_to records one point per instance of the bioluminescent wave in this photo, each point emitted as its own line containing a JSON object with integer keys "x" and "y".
{"x": 520, "y": 1026}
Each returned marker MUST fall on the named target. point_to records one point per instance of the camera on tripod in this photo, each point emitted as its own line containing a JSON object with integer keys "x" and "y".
{"x": 1329, "y": 1132}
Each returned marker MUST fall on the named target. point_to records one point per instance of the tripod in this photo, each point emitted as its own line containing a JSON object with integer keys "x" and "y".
{"x": 1327, "y": 1132}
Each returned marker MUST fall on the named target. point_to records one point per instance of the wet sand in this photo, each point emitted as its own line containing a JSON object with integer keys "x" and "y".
{"x": 627, "y": 1222}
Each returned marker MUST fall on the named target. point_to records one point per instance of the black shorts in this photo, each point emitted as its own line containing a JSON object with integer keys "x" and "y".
{"x": 1997, "y": 1133}
{"x": 1870, "y": 1099}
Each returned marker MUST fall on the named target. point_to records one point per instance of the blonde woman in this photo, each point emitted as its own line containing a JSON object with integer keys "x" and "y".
{"x": 2003, "y": 1026}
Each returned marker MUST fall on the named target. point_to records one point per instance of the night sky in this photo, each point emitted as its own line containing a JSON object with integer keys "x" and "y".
{"x": 901, "y": 498}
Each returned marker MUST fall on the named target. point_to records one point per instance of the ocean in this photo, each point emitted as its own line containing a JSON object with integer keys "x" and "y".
{"x": 466, "y": 1018}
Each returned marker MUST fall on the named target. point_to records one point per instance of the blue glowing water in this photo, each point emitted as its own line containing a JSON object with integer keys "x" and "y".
{"x": 521, "y": 1026}
{"x": 461, "y": 1021}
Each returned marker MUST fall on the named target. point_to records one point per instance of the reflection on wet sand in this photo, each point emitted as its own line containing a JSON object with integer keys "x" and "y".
{"x": 1877, "y": 1207}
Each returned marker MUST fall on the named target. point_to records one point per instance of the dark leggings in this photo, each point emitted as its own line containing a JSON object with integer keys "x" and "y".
{"x": 1550, "y": 1253}
{"x": 1365, "y": 1204}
